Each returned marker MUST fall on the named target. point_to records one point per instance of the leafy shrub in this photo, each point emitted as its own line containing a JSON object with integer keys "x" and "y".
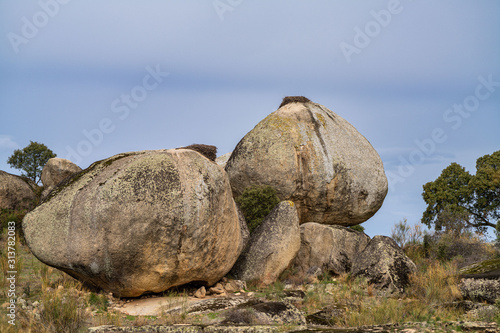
{"x": 358, "y": 227}
{"x": 256, "y": 202}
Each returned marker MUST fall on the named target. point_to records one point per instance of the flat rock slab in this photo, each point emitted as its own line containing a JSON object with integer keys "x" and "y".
{"x": 185, "y": 329}
{"x": 390, "y": 328}
{"x": 156, "y": 305}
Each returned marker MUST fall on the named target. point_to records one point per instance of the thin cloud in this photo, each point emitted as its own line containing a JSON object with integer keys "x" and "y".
{"x": 7, "y": 143}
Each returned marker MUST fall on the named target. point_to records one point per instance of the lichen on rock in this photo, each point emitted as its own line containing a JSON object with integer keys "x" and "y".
{"x": 140, "y": 223}
{"x": 314, "y": 158}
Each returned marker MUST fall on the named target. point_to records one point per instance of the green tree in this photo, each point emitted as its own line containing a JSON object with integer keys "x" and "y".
{"x": 31, "y": 160}
{"x": 458, "y": 200}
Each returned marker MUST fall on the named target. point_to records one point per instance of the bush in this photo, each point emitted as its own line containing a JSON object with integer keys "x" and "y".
{"x": 256, "y": 202}
{"x": 462, "y": 246}
{"x": 294, "y": 99}
{"x": 358, "y": 227}
{"x": 467, "y": 247}
{"x": 208, "y": 151}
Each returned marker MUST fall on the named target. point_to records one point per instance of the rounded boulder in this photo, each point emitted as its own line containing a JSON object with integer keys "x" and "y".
{"x": 272, "y": 246}
{"x": 140, "y": 223}
{"x": 56, "y": 170}
{"x": 16, "y": 193}
{"x": 314, "y": 158}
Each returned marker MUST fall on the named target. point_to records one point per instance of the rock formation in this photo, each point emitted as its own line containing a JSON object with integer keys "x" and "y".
{"x": 16, "y": 193}
{"x": 140, "y": 222}
{"x": 480, "y": 290}
{"x": 222, "y": 160}
{"x": 272, "y": 246}
{"x": 314, "y": 158}
{"x": 56, "y": 170}
{"x": 384, "y": 264}
{"x": 330, "y": 248}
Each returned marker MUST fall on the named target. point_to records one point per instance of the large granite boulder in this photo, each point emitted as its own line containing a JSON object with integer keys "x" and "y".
{"x": 385, "y": 265}
{"x": 272, "y": 246}
{"x": 314, "y": 158}
{"x": 140, "y": 222}
{"x": 56, "y": 170}
{"x": 480, "y": 290}
{"x": 16, "y": 193}
{"x": 331, "y": 248}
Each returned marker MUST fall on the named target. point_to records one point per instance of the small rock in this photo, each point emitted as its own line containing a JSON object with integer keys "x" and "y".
{"x": 217, "y": 289}
{"x": 313, "y": 274}
{"x": 327, "y": 316}
{"x": 200, "y": 293}
{"x": 232, "y": 286}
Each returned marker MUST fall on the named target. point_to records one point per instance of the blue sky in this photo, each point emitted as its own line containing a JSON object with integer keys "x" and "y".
{"x": 90, "y": 79}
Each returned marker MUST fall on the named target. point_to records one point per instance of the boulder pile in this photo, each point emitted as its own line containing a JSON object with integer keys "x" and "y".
{"x": 146, "y": 221}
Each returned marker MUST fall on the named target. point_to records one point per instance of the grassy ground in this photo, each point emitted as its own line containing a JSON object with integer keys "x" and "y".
{"x": 52, "y": 301}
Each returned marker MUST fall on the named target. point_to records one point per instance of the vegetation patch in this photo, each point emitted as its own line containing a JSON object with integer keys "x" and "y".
{"x": 294, "y": 99}
{"x": 256, "y": 202}
{"x": 208, "y": 151}
{"x": 491, "y": 266}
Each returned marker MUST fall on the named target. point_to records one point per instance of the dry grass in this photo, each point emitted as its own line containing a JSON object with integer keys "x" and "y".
{"x": 359, "y": 304}
{"x": 67, "y": 306}
{"x": 436, "y": 285}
